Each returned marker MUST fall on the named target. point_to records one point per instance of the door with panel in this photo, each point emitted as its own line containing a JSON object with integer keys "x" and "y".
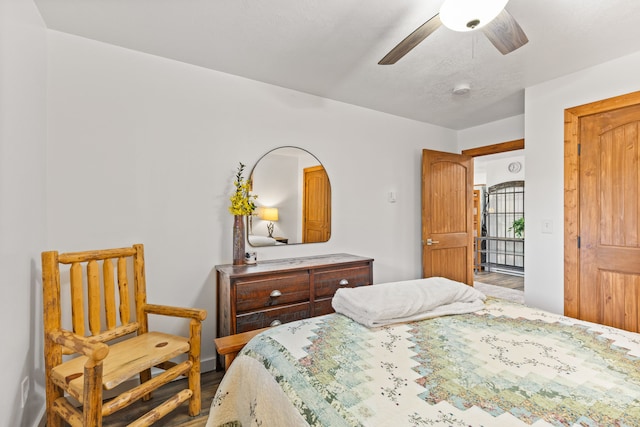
{"x": 447, "y": 215}
{"x": 609, "y": 230}
{"x": 316, "y": 211}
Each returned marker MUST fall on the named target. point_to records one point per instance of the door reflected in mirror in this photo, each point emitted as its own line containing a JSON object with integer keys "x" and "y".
{"x": 294, "y": 199}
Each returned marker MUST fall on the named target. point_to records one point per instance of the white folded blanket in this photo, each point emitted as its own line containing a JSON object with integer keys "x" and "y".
{"x": 407, "y": 301}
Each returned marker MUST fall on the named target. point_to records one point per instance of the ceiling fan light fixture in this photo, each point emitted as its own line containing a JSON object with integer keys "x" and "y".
{"x": 468, "y": 15}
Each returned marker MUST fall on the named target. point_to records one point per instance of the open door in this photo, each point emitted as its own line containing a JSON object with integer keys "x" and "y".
{"x": 447, "y": 216}
{"x": 316, "y": 205}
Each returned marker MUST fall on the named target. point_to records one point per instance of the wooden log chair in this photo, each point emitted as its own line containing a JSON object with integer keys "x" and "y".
{"x": 110, "y": 339}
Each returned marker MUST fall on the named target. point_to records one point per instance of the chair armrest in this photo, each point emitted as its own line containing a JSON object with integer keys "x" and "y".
{"x": 165, "y": 310}
{"x": 95, "y": 351}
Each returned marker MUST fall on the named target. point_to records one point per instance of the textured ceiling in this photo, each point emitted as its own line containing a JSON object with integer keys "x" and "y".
{"x": 330, "y": 48}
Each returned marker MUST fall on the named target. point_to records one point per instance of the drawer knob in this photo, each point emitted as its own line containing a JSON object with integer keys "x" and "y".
{"x": 275, "y": 293}
{"x": 275, "y": 323}
{"x": 344, "y": 282}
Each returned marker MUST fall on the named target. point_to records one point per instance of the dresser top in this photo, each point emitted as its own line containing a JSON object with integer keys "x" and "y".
{"x": 317, "y": 261}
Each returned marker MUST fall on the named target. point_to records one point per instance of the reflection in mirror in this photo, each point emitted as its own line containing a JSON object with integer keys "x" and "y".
{"x": 294, "y": 199}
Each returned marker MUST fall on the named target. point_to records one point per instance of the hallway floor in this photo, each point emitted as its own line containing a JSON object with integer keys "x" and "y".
{"x": 500, "y": 279}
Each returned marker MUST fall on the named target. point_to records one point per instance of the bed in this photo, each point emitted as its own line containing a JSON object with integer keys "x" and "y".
{"x": 256, "y": 240}
{"x": 504, "y": 365}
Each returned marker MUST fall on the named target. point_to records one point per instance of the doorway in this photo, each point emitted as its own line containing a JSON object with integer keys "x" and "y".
{"x": 499, "y": 188}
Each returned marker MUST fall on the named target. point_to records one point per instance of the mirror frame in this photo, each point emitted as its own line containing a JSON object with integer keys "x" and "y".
{"x": 296, "y": 205}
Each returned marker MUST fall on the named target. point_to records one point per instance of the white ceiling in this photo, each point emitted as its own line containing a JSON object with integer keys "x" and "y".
{"x": 331, "y": 48}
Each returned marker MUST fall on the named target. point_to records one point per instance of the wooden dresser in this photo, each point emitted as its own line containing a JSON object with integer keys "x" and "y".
{"x": 280, "y": 291}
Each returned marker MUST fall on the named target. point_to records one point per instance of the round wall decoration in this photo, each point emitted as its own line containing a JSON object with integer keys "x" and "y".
{"x": 514, "y": 167}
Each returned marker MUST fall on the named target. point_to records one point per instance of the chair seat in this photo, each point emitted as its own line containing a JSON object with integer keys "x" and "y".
{"x": 125, "y": 360}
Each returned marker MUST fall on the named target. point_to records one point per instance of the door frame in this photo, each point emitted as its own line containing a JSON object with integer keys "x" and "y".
{"x": 572, "y": 118}
{"x": 503, "y": 147}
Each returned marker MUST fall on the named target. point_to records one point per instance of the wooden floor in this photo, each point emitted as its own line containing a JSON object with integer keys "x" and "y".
{"x": 499, "y": 279}
{"x": 178, "y": 418}
{"x": 211, "y": 380}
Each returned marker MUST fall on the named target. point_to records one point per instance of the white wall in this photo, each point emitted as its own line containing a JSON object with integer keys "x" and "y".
{"x": 498, "y": 170}
{"x": 544, "y": 135}
{"x": 144, "y": 149}
{"x": 22, "y": 187}
{"x": 508, "y": 129}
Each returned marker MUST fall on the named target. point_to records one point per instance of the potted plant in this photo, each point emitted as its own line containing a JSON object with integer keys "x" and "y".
{"x": 242, "y": 204}
{"x": 517, "y": 227}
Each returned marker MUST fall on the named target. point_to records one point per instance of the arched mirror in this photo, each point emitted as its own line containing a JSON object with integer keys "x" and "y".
{"x": 294, "y": 199}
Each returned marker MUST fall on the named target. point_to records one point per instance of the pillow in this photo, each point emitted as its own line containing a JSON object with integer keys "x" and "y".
{"x": 261, "y": 240}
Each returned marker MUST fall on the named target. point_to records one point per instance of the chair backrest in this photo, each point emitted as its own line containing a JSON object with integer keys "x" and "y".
{"x": 99, "y": 292}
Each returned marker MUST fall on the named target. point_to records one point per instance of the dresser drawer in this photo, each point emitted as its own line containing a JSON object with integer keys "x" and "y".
{"x": 327, "y": 282}
{"x": 258, "y": 294}
{"x": 322, "y": 307}
{"x": 264, "y": 318}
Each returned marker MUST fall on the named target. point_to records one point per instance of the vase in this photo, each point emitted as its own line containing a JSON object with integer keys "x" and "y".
{"x": 238, "y": 240}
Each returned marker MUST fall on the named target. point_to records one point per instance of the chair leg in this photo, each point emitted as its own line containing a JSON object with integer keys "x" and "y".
{"x": 52, "y": 393}
{"x": 144, "y": 377}
{"x": 92, "y": 407}
{"x": 195, "y": 402}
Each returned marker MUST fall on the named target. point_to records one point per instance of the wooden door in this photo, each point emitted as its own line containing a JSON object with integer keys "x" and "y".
{"x": 316, "y": 205}
{"x": 609, "y": 230}
{"x": 447, "y": 216}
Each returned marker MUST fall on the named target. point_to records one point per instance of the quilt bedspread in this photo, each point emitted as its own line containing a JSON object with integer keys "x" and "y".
{"x": 507, "y": 365}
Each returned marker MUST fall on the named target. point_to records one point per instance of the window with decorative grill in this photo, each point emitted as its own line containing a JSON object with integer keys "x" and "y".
{"x": 503, "y": 246}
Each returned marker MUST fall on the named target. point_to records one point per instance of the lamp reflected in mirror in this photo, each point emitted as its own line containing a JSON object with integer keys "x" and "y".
{"x": 271, "y": 215}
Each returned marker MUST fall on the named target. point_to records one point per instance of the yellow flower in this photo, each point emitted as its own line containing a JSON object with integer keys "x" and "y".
{"x": 242, "y": 201}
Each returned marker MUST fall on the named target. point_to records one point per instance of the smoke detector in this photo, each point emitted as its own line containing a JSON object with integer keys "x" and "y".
{"x": 461, "y": 89}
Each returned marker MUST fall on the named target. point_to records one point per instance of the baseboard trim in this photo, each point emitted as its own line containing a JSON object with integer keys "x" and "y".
{"x": 42, "y": 418}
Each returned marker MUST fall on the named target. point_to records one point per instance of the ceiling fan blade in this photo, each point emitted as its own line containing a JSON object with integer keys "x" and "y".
{"x": 505, "y": 33}
{"x": 411, "y": 41}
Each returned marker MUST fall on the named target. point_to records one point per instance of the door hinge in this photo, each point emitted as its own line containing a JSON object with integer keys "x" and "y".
{"x": 579, "y": 149}
{"x": 578, "y": 242}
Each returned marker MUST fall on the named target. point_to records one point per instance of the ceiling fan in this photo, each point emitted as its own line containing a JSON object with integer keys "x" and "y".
{"x": 490, "y": 16}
